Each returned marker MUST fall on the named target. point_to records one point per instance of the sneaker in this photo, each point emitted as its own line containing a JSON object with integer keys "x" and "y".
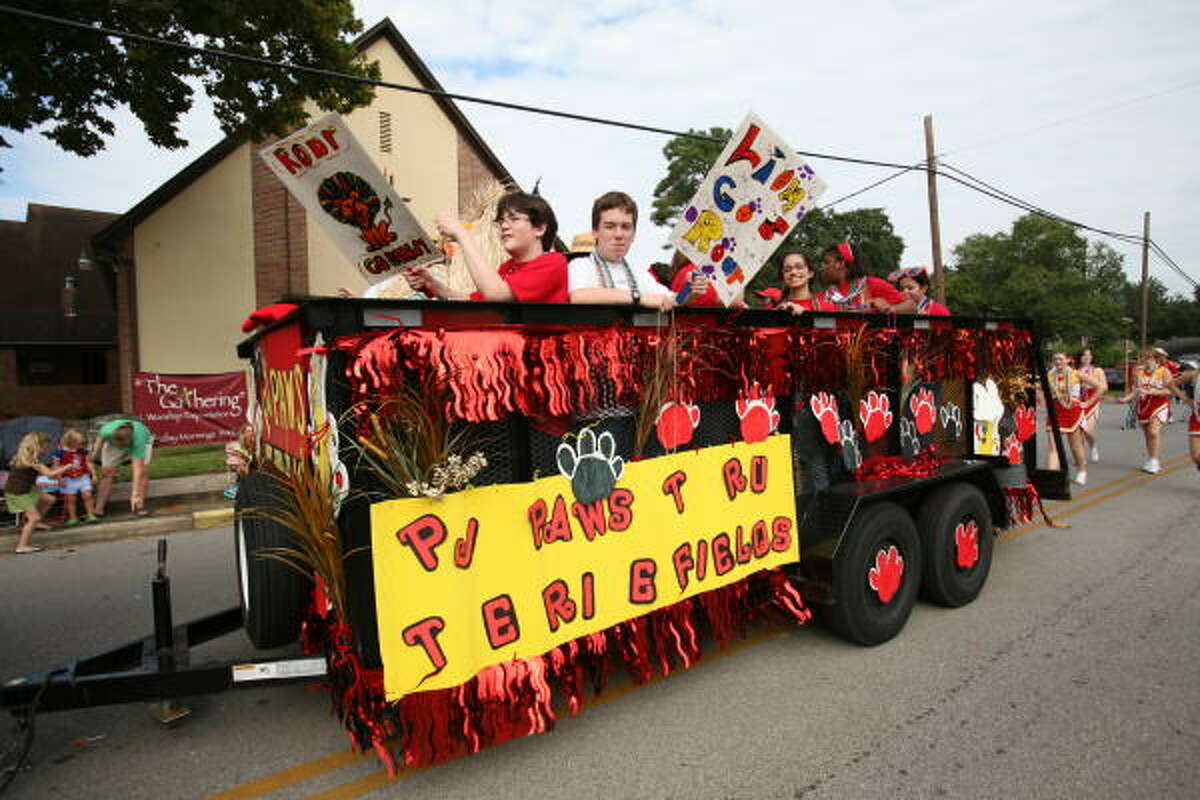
{"x": 72, "y": 522}
{"x": 1095, "y": 454}
{"x": 1152, "y": 466}
{"x": 1081, "y": 477}
{"x": 91, "y": 518}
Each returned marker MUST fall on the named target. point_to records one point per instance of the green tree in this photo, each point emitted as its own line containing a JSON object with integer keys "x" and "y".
{"x": 688, "y": 161}
{"x": 1171, "y": 315}
{"x": 71, "y": 79}
{"x": 1043, "y": 270}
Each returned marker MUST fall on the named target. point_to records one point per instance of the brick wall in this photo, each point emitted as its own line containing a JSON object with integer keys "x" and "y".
{"x": 68, "y": 401}
{"x": 472, "y": 172}
{"x": 280, "y": 237}
{"x": 127, "y": 328}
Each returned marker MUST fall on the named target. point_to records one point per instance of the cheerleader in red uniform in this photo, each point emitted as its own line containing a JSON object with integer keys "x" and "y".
{"x": 1190, "y": 377}
{"x": 798, "y": 296}
{"x": 914, "y": 282}
{"x": 850, "y": 287}
{"x": 1092, "y": 388}
{"x": 1065, "y": 394}
{"x": 1151, "y": 384}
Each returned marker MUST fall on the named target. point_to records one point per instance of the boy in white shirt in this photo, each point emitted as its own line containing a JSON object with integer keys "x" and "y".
{"x": 605, "y": 276}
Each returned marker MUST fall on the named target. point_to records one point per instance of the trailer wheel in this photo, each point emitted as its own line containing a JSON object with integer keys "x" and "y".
{"x": 955, "y": 525}
{"x": 272, "y": 594}
{"x": 876, "y": 578}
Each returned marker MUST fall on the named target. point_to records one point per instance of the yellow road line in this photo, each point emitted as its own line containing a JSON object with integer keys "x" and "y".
{"x": 293, "y": 775}
{"x": 378, "y": 779}
{"x": 1017, "y": 533}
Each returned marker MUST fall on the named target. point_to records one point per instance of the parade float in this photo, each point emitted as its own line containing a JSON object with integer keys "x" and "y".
{"x": 471, "y": 515}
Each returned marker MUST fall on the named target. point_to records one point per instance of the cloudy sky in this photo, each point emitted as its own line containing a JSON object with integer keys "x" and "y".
{"x": 1086, "y": 108}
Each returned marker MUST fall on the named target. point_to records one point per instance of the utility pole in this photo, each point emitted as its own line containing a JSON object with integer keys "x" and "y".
{"x": 1145, "y": 276}
{"x": 935, "y": 231}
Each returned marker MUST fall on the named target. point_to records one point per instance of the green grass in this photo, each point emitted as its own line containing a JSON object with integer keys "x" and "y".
{"x": 188, "y": 459}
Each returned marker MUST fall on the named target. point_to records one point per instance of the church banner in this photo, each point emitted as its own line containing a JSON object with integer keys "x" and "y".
{"x": 482, "y": 576}
{"x": 190, "y": 409}
{"x": 338, "y": 183}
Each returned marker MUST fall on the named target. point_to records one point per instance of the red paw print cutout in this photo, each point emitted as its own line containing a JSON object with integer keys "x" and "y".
{"x": 874, "y": 411}
{"x": 1013, "y": 450}
{"x": 1025, "y": 418}
{"x": 675, "y": 424}
{"x": 885, "y": 576}
{"x": 923, "y": 408}
{"x": 966, "y": 544}
{"x": 756, "y": 411}
{"x": 824, "y": 407}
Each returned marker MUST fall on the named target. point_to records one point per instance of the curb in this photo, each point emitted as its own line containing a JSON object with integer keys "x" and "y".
{"x": 137, "y": 528}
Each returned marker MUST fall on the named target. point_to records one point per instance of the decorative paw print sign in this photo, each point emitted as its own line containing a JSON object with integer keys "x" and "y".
{"x": 920, "y": 416}
{"x": 756, "y": 414}
{"x": 676, "y": 424}
{"x": 592, "y": 465}
{"x": 950, "y": 416}
{"x": 875, "y": 413}
{"x": 755, "y": 193}
{"x": 885, "y": 577}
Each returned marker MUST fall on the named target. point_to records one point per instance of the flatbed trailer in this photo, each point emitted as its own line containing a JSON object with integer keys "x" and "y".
{"x": 897, "y": 479}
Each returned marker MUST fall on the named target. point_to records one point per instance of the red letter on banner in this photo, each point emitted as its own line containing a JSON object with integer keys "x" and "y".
{"x": 423, "y": 536}
{"x": 672, "y": 485}
{"x": 425, "y": 634}
{"x": 559, "y": 606}
{"x": 641, "y": 581}
{"x": 500, "y": 621}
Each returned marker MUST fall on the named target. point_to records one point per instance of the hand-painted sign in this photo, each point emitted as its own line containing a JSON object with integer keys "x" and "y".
{"x": 755, "y": 193}
{"x": 334, "y": 178}
{"x": 487, "y": 575}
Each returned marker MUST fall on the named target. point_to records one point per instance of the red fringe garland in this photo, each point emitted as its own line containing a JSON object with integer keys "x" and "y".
{"x": 1021, "y": 502}
{"x": 926, "y": 463}
{"x": 515, "y": 699}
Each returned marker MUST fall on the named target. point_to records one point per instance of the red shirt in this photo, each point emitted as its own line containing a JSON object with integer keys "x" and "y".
{"x": 539, "y": 280}
{"x": 858, "y": 301}
{"x": 709, "y": 298}
{"x": 933, "y": 309}
{"x": 77, "y": 459}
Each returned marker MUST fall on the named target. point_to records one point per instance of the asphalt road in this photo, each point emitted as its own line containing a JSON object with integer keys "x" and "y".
{"x": 1073, "y": 675}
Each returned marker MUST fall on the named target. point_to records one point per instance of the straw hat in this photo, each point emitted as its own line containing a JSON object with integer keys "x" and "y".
{"x": 583, "y": 243}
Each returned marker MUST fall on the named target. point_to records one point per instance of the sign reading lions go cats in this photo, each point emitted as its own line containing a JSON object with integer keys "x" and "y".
{"x": 755, "y": 193}
{"x": 333, "y": 177}
{"x": 483, "y": 576}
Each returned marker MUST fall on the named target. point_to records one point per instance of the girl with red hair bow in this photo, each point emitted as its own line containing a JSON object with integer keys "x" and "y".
{"x": 843, "y": 270}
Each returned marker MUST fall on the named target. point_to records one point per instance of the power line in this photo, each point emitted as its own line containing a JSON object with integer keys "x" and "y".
{"x": 325, "y": 73}
{"x": 870, "y": 186}
{"x": 962, "y": 177}
{"x": 1083, "y": 115}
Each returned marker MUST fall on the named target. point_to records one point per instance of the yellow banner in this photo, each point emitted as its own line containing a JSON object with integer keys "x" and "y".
{"x": 512, "y": 571}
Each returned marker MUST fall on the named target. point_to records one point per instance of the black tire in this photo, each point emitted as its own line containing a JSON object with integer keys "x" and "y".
{"x": 859, "y": 613}
{"x": 943, "y": 580}
{"x": 272, "y": 594}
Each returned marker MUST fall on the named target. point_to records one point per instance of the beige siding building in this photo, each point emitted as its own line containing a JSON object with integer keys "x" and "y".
{"x": 224, "y": 237}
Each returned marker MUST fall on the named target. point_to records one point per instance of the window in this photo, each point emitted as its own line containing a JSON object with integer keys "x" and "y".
{"x": 59, "y": 366}
{"x": 385, "y": 132}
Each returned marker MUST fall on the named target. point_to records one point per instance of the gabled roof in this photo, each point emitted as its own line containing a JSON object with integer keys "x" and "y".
{"x": 123, "y": 226}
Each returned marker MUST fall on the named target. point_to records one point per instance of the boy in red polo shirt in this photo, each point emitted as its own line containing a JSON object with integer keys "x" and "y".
{"x": 533, "y": 272}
